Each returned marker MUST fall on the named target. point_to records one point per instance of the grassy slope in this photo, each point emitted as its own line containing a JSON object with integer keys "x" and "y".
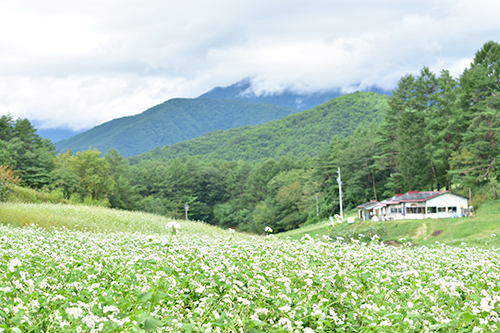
{"x": 476, "y": 231}
{"x": 97, "y": 219}
{"x": 26, "y": 207}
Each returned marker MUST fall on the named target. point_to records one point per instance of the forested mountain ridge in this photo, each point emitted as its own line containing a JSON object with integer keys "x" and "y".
{"x": 175, "y": 120}
{"x": 301, "y": 134}
{"x": 243, "y": 91}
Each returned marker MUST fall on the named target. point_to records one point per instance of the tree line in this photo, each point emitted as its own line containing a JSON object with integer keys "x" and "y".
{"x": 439, "y": 132}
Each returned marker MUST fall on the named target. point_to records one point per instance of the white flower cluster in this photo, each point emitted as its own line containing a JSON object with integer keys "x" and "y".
{"x": 173, "y": 225}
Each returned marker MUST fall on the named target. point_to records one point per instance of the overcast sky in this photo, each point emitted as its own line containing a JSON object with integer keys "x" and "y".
{"x": 76, "y": 64}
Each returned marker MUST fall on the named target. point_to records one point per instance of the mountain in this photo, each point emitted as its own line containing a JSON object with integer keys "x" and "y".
{"x": 305, "y": 133}
{"x": 173, "y": 121}
{"x": 242, "y": 91}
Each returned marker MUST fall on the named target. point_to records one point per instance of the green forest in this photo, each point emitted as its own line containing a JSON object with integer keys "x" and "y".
{"x": 303, "y": 134}
{"x": 175, "y": 120}
{"x": 435, "y": 132}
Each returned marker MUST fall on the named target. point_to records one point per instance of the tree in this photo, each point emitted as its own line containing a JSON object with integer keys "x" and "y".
{"x": 27, "y": 152}
{"x": 403, "y": 136}
{"x": 94, "y": 173}
{"x": 481, "y": 102}
{"x": 445, "y": 125}
{"x": 125, "y": 195}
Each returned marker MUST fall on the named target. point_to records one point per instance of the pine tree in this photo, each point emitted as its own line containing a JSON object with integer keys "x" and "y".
{"x": 481, "y": 102}
{"x": 426, "y": 92}
{"x": 402, "y": 140}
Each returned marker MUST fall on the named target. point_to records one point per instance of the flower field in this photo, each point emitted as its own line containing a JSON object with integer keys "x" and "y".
{"x": 188, "y": 279}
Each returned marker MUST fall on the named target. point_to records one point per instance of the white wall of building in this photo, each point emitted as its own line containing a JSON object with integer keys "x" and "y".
{"x": 451, "y": 202}
{"x": 449, "y": 205}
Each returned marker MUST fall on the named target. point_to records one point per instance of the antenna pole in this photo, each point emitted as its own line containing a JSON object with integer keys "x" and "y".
{"x": 339, "y": 181}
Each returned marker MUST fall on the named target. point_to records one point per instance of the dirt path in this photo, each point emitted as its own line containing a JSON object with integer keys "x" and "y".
{"x": 422, "y": 232}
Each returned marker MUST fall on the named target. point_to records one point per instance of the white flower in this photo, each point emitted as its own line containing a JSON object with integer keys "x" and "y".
{"x": 308, "y": 330}
{"x": 306, "y": 237}
{"x": 75, "y": 312}
{"x": 231, "y": 230}
{"x": 268, "y": 229}
{"x": 244, "y": 301}
{"x": 385, "y": 323}
{"x": 173, "y": 225}
{"x": 285, "y": 308}
{"x": 110, "y": 308}
{"x": 286, "y": 323}
{"x": 14, "y": 263}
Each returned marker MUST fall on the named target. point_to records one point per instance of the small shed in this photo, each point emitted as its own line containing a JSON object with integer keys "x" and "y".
{"x": 365, "y": 211}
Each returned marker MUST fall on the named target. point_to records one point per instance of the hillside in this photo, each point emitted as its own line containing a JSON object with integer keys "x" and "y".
{"x": 172, "y": 121}
{"x": 300, "y": 134}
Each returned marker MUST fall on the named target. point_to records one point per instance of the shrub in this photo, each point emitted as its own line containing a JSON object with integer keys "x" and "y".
{"x": 7, "y": 176}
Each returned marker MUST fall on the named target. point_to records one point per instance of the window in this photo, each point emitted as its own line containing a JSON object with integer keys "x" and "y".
{"x": 415, "y": 210}
{"x": 431, "y": 210}
{"x": 452, "y": 209}
{"x": 441, "y": 209}
{"x": 395, "y": 210}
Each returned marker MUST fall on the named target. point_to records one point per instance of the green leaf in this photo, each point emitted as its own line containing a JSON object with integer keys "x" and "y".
{"x": 146, "y": 296}
{"x": 476, "y": 298}
{"x": 468, "y": 317}
{"x": 170, "y": 270}
{"x": 150, "y": 324}
{"x": 187, "y": 327}
{"x": 158, "y": 296}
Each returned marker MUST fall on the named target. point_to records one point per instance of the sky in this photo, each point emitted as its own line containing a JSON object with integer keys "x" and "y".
{"x": 74, "y": 65}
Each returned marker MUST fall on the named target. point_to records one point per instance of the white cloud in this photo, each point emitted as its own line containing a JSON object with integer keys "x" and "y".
{"x": 76, "y": 65}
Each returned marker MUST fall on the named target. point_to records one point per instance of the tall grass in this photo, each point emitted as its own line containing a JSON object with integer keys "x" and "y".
{"x": 95, "y": 219}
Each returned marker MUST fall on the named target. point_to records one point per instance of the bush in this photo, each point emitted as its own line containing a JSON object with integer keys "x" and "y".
{"x": 7, "y": 176}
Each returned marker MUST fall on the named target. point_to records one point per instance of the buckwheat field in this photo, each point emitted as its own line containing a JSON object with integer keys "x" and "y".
{"x": 166, "y": 276}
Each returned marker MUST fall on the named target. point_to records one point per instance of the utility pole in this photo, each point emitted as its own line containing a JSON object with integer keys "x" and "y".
{"x": 339, "y": 181}
{"x": 317, "y": 206}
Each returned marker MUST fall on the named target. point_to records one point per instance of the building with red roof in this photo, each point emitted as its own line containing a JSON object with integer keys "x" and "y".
{"x": 416, "y": 205}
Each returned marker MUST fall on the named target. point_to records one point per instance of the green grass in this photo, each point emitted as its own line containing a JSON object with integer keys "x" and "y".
{"x": 95, "y": 219}
{"x": 475, "y": 231}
